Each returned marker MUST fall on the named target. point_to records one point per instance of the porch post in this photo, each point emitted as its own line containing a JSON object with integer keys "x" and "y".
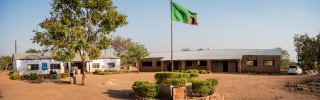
{"x": 162, "y": 64}
{"x": 239, "y": 64}
{"x": 183, "y": 65}
{"x": 209, "y": 65}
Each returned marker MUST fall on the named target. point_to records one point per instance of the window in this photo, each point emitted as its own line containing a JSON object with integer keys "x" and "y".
{"x": 217, "y": 63}
{"x": 188, "y": 63}
{"x": 268, "y": 63}
{"x": 33, "y": 66}
{"x": 54, "y": 66}
{"x": 252, "y": 62}
{"x": 111, "y": 65}
{"x": 95, "y": 65}
{"x": 202, "y": 63}
{"x": 158, "y": 63}
{"x": 146, "y": 63}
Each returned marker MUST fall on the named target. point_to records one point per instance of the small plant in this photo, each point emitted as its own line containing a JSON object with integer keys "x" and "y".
{"x": 209, "y": 71}
{"x": 177, "y": 82}
{"x": 203, "y": 71}
{"x": 201, "y": 87}
{"x": 63, "y": 75}
{"x": 137, "y": 85}
{"x": 33, "y": 76}
{"x": 149, "y": 90}
{"x": 106, "y": 71}
{"x": 214, "y": 82}
{"x": 194, "y": 75}
{"x": 97, "y": 71}
{"x": 14, "y": 76}
{"x": 176, "y": 70}
{"x": 162, "y": 76}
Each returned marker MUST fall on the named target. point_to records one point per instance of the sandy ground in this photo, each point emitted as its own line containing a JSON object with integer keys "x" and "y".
{"x": 110, "y": 87}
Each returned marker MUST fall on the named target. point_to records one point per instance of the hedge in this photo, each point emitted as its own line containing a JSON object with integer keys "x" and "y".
{"x": 162, "y": 76}
{"x": 137, "y": 85}
{"x": 65, "y": 74}
{"x": 149, "y": 90}
{"x": 33, "y": 76}
{"x": 202, "y": 87}
{"x": 177, "y": 82}
{"x": 214, "y": 82}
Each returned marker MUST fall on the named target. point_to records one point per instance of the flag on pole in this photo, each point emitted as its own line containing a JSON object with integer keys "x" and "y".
{"x": 181, "y": 14}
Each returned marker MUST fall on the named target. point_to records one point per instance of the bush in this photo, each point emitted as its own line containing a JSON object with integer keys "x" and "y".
{"x": 203, "y": 71}
{"x": 106, "y": 71}
{"x": 149, "y": 90}
{"x": 176, "y": 70}
{"x": 201, "y": 87}
{"x": 137, "y": 85}
{"x": 33, "y": 76}
{"x": 65, "y": 74}
{"x": 127, "y": 71}
{"x": 192, "y": 71}
{"x": 162, "y": 76}
{"x": 14, "y": 75}
{"x": 213, "y": 81}
{"x": 177, "y": 82}
{"x": 209, "y": 71}
{"x": 97, "y": 71}
{"x": 194, "y": 75}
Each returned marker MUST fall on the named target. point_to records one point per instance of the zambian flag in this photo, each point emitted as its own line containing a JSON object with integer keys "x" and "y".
{"x": 181, "y": 14}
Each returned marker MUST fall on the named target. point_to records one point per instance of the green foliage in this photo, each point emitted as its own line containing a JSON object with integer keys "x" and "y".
{"x": 106, "y": 70}
{"x": 209, "y": 71}
{"x": 214, "y": 82}
{"x": 33, "y": 76}
{"x": 14, "y": 76}
{"x": 185, "y": 49}
{"x": 201, "y": 87}
{"x": 177, "y": 82}
{"x": 285, "y": 58}
{"x": 31, "y": 50}
{"x": 308, "y": 50}
{"x": 162, "y": 76}
{"x": 97, "y": 71}
{"x": 134, "y": 53}
{"x": 203, "y": 71}
{"x": 176, "y": 70}
{"x": 149, "y": 90}
{"x": 194, "y": 75}
{"x": 137, "y": 85}
{"x": 127, "y": 71}
{"x": 192, "y": 71}
{"x": 120, "y": 45}
{"x": 5, "y": 62}
{"x": 65, "y": 74}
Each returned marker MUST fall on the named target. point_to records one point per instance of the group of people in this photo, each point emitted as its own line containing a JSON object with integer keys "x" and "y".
{"x": 53, "y": 74}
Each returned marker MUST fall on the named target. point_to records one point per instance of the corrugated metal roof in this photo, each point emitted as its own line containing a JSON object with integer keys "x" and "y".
{"x": 215, "y": 54}
{"x": 34, "y": 56}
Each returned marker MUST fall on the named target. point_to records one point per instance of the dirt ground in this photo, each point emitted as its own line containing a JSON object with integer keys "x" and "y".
{"x": 232, "y": 86}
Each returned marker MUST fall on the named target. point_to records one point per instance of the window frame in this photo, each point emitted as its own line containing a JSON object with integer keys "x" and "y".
{"x": 112, "y": 65}
{"x": 95, "y": 65}
{"x": 254, "y": 62}
{"x": 266, "y": 64}
{"x": 146, "y": 63}
{"x": 31, "y": 67}
{"x": 158, "y": 63}
{"x": 202, "y": 63}
{"x": 51, "y": 67}
{"x": 188, "y": 63}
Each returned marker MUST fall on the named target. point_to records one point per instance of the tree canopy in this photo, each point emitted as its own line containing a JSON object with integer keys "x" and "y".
{"x": 120, "y": 45}
{"x": 308, "y": 50}
{"x": 134, "y": 53}
{"x": 285, "y": 58}
{"x": 31, "y": 50}
{"x": 79, "y": 27}
{"x": 5, "y": 62}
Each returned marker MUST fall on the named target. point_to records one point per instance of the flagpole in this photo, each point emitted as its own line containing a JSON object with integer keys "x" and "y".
{"x": 171, "y": 37}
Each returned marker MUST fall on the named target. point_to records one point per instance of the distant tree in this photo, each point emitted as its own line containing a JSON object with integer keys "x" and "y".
{"x": 120, "y": 45}
{"x": 31, "y": 50}
{"x": 134, "y": 53}
{"x": 200, "y": 49}
{"x": 5, "y": 62}
{"x": 308, "y": 50}
{"x": 285, "y": 58}
{"x": 186, "y": 49}
{"x": 79, "y": 27}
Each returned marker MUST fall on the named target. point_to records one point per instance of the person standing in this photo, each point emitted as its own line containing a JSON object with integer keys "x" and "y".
{"x": 71, "y": 75}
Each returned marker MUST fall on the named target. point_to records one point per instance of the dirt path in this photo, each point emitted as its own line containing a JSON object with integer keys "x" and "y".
{"x": 110, "y": 87}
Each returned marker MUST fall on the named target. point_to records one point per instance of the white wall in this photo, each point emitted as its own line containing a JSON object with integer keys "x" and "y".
{"x": 21, "y": 66}
{"x": 104, "y": 64}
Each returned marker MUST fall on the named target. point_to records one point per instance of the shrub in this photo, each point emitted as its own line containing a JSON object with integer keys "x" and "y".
{"x": 127, "y": 71}
{"x": 192, "y": 71}
{"x": 201, "y": 87}
{"x": 162, "y": 76}
{"x": 203, "y": 71}
{"x": 33, "y": 76}
{"x": 176, "y": 70}
{"x": 106, "y": 71}
{"x": 213, "y": 81}
{"x": 177, "y": 82}
{"x": 149, "y": 90}
{"x": 14, "y": 75}
{"x": 209, "y": 71}
{"x": 194, "y": 75}
{"x": 137, "y": 85}
{"x": 65, "y": 74}
{"x": 97, "y": 71}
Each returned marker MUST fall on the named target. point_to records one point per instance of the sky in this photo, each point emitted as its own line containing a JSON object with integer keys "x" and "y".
{"x": 223, "y": 24}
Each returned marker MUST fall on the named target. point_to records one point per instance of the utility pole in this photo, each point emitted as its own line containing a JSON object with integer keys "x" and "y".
{"x": 15, "y": 46}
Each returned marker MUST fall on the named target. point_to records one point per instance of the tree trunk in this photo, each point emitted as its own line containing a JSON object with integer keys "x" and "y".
{"x": 83, "y": 71}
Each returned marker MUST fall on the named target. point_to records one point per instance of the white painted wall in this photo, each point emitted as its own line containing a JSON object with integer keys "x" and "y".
{"x": 104, "y": 64}
{"x": 21, "y": 66}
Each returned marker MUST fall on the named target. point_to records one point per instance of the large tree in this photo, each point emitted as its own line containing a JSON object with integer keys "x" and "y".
{"x": 285, "y": 58}
{"x": 5, "y": 62}
{"x": 308, "y": 50}
{"x": 79, "y": 27}
{"x": 133, "y": 54}
{"x": 120, "y": 45}
{"x": 31, "y": 50}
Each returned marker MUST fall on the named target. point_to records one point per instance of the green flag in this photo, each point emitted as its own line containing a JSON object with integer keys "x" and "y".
{"x": 181, "y": 14}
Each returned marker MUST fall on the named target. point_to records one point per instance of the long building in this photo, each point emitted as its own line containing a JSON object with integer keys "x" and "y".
{"x": 218, "y": 60}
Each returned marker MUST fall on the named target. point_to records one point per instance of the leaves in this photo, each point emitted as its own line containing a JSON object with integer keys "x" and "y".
{"x": 134, "y": 53}
{"x": 31, "y": 50}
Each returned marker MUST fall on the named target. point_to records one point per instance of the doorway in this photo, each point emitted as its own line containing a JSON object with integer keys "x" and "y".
{"x": 169, "y": 66}
{"x": 176, "y": 65}
{"x": 225, "y": 66}
{"x": 236, "y": 66}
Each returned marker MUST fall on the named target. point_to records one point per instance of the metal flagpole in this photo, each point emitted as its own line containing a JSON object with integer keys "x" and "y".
{"x": 171, "y": 37}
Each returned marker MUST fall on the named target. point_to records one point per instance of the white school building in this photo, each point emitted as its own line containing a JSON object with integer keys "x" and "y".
{"x": 26, "y": 63}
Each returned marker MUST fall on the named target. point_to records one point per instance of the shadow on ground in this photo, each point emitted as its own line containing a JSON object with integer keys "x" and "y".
{"x": 120, "y": 94}
{"x": 56, "y": 81}
{"x": 1, "y": 95}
